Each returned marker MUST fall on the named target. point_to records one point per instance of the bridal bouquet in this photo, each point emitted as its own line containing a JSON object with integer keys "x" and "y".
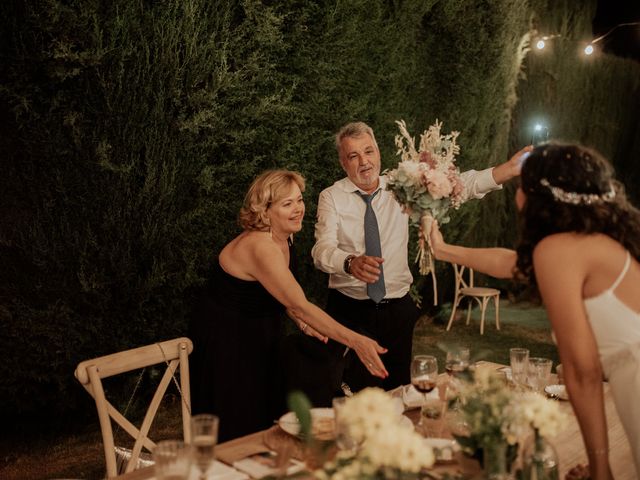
{"x": 426, "y": 184}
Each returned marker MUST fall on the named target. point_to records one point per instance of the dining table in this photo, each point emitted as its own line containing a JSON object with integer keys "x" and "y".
{"x": 568, "y": 444}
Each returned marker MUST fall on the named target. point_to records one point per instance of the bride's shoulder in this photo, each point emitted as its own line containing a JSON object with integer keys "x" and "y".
{"x": 571, "y": 245}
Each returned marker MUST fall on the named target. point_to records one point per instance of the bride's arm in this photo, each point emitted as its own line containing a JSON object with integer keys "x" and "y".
{"x": 561, "y": 291}
{"x": 497, "y": 262}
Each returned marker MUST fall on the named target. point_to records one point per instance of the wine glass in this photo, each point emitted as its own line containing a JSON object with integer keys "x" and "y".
{"x": 204, "y": 436}
{"x": 424, "y": 373}
{"x": 457, "y": 361}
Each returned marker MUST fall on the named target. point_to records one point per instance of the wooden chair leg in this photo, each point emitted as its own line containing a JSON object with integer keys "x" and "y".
{"x": 453, "y": 312}
{"x": 497, "y": 302}
{"x": 469, "y": 306}
{"x": 485, "y": 300}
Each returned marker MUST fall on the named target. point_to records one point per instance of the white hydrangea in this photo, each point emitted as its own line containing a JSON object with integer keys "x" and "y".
{"x": 400, "y": 448}
{"x": 368, "y": 412}
{"x": 373, "y": 419}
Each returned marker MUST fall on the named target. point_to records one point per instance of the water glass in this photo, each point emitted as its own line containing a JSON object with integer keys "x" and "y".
{"x": 204, "y": 437}
{"x": 457, "y": 361}
{"x": 539, "y": 374}
{"x": 519, "y": 360}
{"x": 344, "y": 440}
{"x": 172, "y": 460}
{"x": 432, "y": 415}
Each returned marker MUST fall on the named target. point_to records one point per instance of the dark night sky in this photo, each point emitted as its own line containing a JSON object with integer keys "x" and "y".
{"x": 624, "y": 41}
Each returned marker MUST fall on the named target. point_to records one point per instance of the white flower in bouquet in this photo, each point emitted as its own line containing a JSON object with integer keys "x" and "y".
{"x": 389, "y": 448}
{"x": 368, "y": 412}
{"x": 533, "y": 410}
{"x": 399, "y": 448}
{"x": 426, "y": 183}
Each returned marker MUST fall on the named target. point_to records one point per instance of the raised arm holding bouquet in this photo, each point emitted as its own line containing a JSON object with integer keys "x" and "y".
{"x": 427, "y": 183}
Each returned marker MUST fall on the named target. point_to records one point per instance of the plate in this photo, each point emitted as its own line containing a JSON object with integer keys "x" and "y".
{"x": 443, "y": 448}
{"x": 506, "y": 371}
{"x": 322, "y": 423}
{"x": 557, "y": 391}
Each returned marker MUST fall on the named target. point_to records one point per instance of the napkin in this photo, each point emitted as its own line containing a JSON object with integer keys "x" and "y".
{"x": 414, "y": 399}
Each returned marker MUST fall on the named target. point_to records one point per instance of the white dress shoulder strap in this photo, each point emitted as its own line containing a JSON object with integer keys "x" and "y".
{"x": 627, "y": 263}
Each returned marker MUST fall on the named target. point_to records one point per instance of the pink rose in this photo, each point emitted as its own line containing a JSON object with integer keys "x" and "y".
{"x": 425, "y": 157}
{"x": 438, "y": 184}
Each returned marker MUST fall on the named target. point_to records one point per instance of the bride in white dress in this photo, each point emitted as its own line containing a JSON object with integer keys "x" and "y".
{"x": 580, "y": 244}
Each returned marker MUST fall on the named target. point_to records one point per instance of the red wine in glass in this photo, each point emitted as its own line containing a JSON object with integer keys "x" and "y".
{"x": 424, "y": 385}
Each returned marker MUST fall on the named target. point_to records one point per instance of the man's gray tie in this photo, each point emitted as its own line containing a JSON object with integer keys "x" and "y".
{"x": 376, "y": 290}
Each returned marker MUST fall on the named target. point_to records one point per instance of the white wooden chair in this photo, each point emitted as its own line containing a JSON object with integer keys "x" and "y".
{"x": 174, "y": 353}
{"x": 482, "y": 295}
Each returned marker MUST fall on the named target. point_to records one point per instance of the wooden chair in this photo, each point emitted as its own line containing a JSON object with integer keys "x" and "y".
{"x": 482, "y": 295}
{"x": 173, "y": 353}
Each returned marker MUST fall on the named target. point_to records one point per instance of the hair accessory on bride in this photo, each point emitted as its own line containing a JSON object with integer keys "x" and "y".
{"x": 575, "y": 198}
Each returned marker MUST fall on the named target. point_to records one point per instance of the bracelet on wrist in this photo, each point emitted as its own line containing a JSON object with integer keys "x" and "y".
{"x": 598, "y": 452}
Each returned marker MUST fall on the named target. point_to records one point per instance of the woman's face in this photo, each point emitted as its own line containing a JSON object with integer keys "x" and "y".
{"x": 520, "y": 198}
{"x": 286, "y": 214}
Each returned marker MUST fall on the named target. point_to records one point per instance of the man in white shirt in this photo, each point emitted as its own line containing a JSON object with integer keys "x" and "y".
{"x": 340, "y": 246}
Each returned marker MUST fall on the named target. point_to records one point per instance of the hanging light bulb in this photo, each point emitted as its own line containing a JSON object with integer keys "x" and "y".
{"x": 540, "y": 44}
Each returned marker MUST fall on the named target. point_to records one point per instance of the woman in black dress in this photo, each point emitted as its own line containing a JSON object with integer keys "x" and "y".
{"x": 234, "y": 365}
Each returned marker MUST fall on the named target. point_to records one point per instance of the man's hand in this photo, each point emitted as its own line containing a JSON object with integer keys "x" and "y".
{"x": 511, "y": 168}
{"x": 366, "y": 268}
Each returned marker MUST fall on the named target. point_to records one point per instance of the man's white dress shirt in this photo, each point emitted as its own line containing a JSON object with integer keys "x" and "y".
{"x": 340, "y": 233}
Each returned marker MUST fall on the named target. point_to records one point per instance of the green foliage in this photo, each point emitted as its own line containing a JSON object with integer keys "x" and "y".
{"x": 592, "y": 100}
{"x": 131, "y": 130}
{"x": 301, "y": 406}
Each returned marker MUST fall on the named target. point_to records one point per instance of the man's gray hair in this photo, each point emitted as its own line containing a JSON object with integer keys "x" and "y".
{"x": 354, "y": 129}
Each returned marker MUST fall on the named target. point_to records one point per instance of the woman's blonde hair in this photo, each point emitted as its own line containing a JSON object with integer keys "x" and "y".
{"x": 269, "y": 187}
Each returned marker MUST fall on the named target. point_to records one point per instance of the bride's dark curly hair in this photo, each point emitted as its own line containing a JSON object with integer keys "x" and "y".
{"x": 576, "y": 170}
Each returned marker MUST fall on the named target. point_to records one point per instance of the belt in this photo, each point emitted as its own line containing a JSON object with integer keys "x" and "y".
{"x": 368, "y": 302}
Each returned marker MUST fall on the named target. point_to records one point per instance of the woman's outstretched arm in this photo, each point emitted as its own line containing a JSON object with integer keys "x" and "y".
{"x": 268, "y": 266}
{"x": 497, "y": 262}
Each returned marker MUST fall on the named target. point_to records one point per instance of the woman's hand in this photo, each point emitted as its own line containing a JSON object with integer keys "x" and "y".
{"x": 437, "y": 241}
{"x": 368, "y": 352}
{"x": 579, "y": 472}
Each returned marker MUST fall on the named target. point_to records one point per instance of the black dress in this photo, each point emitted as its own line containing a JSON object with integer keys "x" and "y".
{"x": 234, "y": 367}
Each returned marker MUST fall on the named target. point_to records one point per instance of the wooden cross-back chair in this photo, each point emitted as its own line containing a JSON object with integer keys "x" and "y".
{"x": 482, "y": 295}
{"x": 174, "y": 354}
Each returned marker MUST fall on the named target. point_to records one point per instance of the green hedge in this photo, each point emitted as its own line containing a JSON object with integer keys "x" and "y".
{"x": 131, "y": 130}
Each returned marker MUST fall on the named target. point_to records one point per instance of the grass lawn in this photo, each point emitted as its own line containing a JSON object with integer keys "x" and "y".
{"x": 521, "y": 325}
{"x": 80, "y": 455}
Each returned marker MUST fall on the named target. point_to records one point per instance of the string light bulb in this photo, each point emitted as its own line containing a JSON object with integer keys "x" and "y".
{"x": 540, "y": 44}
{"x": 588, "y": 50}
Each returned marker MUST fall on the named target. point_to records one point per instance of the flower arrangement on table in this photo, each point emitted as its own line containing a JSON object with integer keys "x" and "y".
{"x": 387, "y": 449}
{"x": 426, "y": 184}
{"x": 498, "y": 418}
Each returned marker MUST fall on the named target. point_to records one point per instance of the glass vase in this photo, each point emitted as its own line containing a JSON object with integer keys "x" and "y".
{"x": 539, "y": 459}
{"x": 494, "y": 461}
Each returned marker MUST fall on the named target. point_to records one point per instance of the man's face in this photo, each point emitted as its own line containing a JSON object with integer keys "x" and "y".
{"x": 360, "y": 159}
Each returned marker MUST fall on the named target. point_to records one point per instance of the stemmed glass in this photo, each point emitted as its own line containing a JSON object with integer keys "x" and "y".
{"x": 457, "y": 361}
{"x": 204, "y": 436}
{"x": 424, "y": 373}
